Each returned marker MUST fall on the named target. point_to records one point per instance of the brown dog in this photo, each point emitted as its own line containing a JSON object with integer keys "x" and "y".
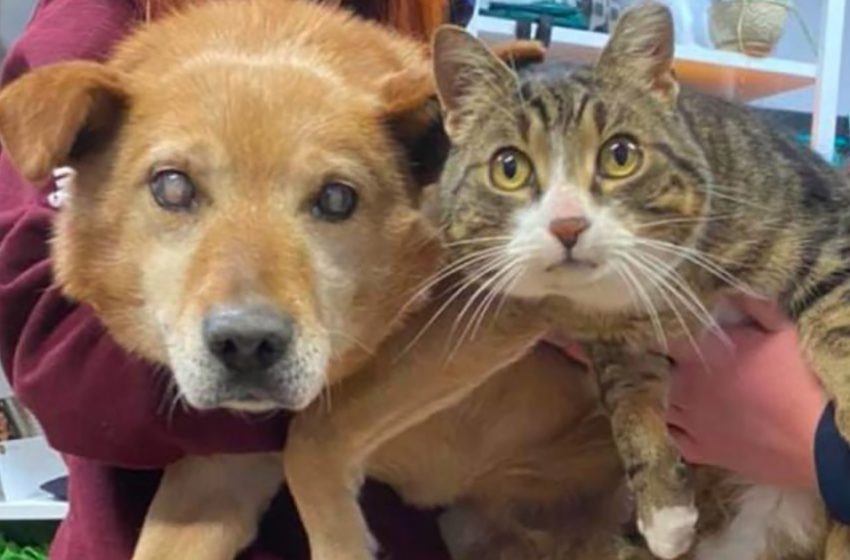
{"x": 246, "y": 210}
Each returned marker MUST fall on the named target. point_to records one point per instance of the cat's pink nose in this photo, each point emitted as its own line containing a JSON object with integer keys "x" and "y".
{"x": 568, "y": 230}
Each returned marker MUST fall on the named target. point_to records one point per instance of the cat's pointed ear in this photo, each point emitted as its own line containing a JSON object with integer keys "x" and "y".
{"x": 640, "y": 51}
{"x": 467, "y": 72}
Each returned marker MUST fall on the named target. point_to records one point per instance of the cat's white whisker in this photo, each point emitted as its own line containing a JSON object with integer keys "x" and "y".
{"x": 492, "y": 293}
{"x": 450, "y": 269}
{"x": 464, "y": 284}
{"x": 633, "y": 296}
{"x": 693, "y": 303}
{"x": 662, "y": 291}
{"x": 685, "y": 221}
{"x": 346, "y": 336}
{"x": 719, "y": 192}
{"x": 492, "y": 287}
{"x": 701, "y": 259}
{"x": 495, "y": 291}
{"x": 494, "y": 238}
{"x": 509, "y": 287}
{"x": 648, "y": 304}
{"x": 495, "y": 266}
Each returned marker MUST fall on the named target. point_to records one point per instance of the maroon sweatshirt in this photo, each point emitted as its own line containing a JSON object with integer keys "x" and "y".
{"x": 99, "y": 406}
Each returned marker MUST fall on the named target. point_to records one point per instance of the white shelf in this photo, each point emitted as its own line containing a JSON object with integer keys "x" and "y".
{"x": 25, "y": 465}
{"x": 33, "y": 510}
{"x": 728, "y": 74}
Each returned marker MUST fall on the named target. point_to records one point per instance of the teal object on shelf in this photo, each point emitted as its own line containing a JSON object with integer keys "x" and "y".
{"x": 559, "y": 14}
{"x": 842, "y": 150}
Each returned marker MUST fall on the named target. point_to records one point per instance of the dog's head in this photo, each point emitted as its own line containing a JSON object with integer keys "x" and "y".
{"x": 245, "y": 208}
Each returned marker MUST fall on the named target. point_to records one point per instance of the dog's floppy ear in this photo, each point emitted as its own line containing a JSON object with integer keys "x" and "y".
{"x": 58, "y": 114}
{"x": 413, "y": 114}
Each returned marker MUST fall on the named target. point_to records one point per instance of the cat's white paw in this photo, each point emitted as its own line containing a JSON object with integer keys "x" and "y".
{"x": 670, "y": 531}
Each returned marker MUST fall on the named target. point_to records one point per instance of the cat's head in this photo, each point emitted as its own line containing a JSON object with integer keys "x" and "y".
{"x": 580, "y": 184}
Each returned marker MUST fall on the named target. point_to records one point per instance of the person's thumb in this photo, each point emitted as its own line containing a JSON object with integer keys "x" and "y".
{"x": 568, "y": 346}
{"x": 765, "y": 313}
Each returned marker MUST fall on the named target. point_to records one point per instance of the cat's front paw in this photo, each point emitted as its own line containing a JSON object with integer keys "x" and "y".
{"x": 669, "y": 531}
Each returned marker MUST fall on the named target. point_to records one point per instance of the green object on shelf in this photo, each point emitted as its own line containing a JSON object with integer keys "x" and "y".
{"x": 842, "y": 149}
{"x": 561, "y": 15}
{"x": 12, "y": 551}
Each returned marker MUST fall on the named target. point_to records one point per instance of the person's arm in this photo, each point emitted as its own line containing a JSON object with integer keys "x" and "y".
{"x": 92, "y": 399}
{"x": 757, "y": 411}
{"x": 832, "y": 460}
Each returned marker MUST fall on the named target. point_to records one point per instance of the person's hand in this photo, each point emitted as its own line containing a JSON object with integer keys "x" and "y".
{"x": 752, "y": 409}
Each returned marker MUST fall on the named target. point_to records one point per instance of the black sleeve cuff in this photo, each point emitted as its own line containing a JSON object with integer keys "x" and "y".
{"x": 832, "y": 461}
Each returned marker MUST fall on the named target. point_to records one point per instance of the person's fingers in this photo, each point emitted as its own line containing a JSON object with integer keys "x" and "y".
{"x": 677, "y": 415}
{"x": 686, "y": 445}
{"x": 707, "y": 347}
{"x": 568, "y": 346}
{"x": 717, "y": 355}
{"x": 681, "y": 389}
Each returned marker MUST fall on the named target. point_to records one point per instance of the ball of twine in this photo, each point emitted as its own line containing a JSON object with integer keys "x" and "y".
{"x": 753, "y": 27}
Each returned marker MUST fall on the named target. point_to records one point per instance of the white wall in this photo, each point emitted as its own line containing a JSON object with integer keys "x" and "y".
{"x": 15, "y": 13}
{"x": 793, "y": 46}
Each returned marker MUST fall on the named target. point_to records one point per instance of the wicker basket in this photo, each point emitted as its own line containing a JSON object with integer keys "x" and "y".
{"x": 752, "y": 27}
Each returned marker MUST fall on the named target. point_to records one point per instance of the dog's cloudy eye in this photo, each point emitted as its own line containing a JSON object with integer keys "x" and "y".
{"x": 336, "y": 202}
{"x": 173, "y": 190}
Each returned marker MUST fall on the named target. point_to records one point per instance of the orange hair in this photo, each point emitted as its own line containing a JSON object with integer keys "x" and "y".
{"x": 417, "y": 18}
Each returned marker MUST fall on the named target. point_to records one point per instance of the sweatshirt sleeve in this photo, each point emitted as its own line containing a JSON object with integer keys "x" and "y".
{"x": 832, "y": 461}
{"x": 92, "y": 399}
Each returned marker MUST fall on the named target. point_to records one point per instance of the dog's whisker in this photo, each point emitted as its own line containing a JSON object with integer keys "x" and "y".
{"x": 357, "y": 342}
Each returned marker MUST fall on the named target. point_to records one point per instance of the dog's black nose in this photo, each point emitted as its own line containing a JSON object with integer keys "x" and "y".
{"x": 248, "y": 339}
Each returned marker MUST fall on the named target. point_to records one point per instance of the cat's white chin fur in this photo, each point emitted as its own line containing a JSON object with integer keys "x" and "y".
{"x": 599, "y": 287}
{"x": 670, "y": 531}
{"x": 605, "y": 294}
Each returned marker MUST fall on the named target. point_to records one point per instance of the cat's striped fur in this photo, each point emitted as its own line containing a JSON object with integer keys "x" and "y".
{"x": 720, "y": 204}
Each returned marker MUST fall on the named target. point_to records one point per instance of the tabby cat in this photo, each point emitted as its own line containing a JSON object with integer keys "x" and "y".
{"x": 630, "y": 209}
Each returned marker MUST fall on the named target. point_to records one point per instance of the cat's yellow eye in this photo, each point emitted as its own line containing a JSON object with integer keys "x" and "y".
{"x": 510, "y": 169}
{"x": 619, "y": 158}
